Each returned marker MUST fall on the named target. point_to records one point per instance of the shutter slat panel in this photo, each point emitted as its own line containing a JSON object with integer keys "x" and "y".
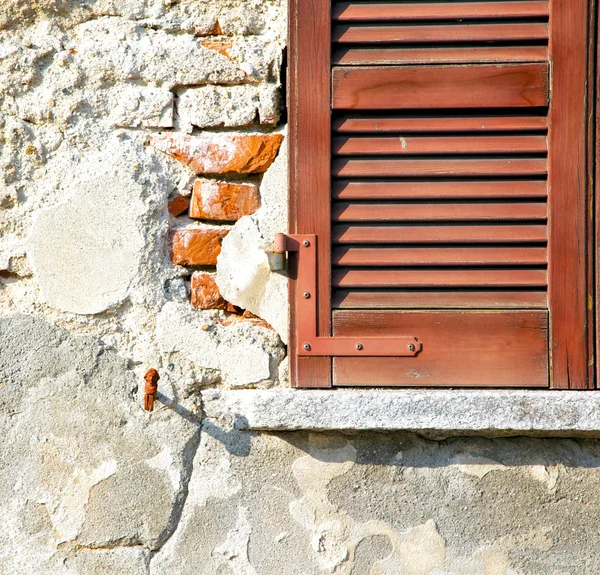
{"x": 359, "y": 212}
{"x": 373, "y": 11}
{"x": 449, "y": 299}
{"x": 415, "y": 145}
{"x": 505, "y": 32}
{"x": 439, "y": 123}
{"x": 482, "y": 86}
{"x": 393, "y": 168}
{"x": 373, "y": 190}
{"x": 434, "y": 234}
{"x": 438, "y": 55}
{"x": 383, "y": 278}
{"x": 438, "y": 256}
{"x": 462, "y": 348}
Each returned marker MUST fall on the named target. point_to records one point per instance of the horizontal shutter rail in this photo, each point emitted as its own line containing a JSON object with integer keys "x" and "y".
{"x": 439, "y": 278}
{"x": 438, "y": 299}
{"x": 437, "y": 211}
{"x": 439, "y": 145}
{"x": 415, "y": 190}
{"x": 440, "y": 33}
{"x": 437, "y": 233}
{"x": 411, "y": 167}
{"x": 375, "y": 11}
{"x": 437, "y": 123}
{"x": 438, "y": 55}
{"x": 440, "y": 87}
{"x": 439, "y": 256}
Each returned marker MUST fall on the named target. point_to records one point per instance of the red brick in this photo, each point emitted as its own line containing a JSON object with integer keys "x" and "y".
{"x": 178, "y": 205}
{"x": 223, "y": 201}
{"x": 196, "y": 246}
{"x": 219, "y": 46}
{"x": 214, "y": 153}
{"x": 206, "y": 294}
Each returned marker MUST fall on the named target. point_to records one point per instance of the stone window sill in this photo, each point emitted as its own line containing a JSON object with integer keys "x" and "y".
{"x": 436, "y": 413}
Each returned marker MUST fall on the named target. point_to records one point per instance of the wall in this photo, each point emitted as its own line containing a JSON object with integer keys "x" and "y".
{"x": 143, "y": 156}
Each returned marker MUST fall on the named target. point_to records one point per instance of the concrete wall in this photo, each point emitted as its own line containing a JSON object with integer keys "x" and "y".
{"x": 114, "y": 116}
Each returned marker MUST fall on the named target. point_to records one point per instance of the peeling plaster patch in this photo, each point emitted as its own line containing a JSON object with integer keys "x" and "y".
{"x": 234, "y": 550}
{"x": 476, "y": 466}
{"x": 69, "y": 515}
{"x": 87, "y": 251}
{"x": 547, "y": 475}
{"x": 480, "y": 467}
{"x": 422, "y": 549}
{"x": 165, "y": 461}
{"x": 212, "y": 479}
{"x": 336, "y": 535}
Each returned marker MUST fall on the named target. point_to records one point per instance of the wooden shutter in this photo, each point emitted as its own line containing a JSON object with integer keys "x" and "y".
{"x": 439, "y": 183}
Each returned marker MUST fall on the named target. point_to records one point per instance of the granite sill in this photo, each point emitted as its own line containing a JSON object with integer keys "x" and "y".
{"x": 436, "y": 413}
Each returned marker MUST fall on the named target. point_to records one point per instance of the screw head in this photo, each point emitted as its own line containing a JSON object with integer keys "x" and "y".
{"x": 306, "y": 243}
{"x": 306, "y": 346}
{"x": 306, "y": 295}
{"x": 359, "y": 346}
{"x": 411, "y": 347}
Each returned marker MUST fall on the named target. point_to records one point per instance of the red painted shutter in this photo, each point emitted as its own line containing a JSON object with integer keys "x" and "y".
{"x": 438, "y": 176}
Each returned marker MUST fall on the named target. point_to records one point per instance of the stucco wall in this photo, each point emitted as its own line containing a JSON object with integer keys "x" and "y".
{"x": 90, "y": 299}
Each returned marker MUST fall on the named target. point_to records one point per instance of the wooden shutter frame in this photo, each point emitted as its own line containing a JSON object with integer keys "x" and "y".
{"x": 571, "y": 271}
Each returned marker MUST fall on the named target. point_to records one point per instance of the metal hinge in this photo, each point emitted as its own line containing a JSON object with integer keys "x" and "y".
{"x": 308, "y": 342}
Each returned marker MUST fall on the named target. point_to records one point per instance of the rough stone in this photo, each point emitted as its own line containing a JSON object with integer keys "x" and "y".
{"x": 223, "y": 201}
{"x": 196, "y": 246}
{"x": 114, "y": 49}
{"x": 147, "y": 107}
{"x": 436, "y": 412}
{"x": 244, "y": 353}
{"x": 228, "y": 106}
{"x": 178, "y": 205}
{"x": 206, "y": 294}
{"x": 221, "y": 153}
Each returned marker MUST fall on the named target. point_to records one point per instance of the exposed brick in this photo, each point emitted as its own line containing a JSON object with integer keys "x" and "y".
{"x": 206, "y": 294}
{"x": 220, "y": 46}
{"x": 178, "y": 205}
{"x": 196, "y": 246}
{"x": 213, "y": 153}
{"x": 223, "y": 201}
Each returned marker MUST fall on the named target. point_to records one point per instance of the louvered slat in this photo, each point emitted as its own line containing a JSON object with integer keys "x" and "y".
{"x": 420, "y": 278}
{"x": 438, "y": 256}
{"x": 443, "y": 190}
{"x": 438, "y": 234}
{"x": 439, "y": 123}
{"x": 439, "y": 55}
{"x": 439, "y": 145}
{"x": 411, "y": 167}
{"x": 386, "y": 11}
{"x": 360, "y": 212}
{"x": 436, "y": 299}
{"x": 440, "y": 33}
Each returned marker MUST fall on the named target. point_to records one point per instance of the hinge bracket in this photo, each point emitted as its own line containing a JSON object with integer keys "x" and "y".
{"x": 308, "y": 342}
